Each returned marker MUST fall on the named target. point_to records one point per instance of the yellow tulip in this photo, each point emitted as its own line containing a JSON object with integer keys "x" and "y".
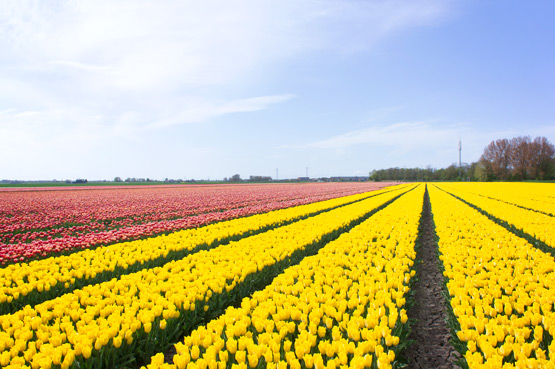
{"x": 86, "y": 352}
{"x": 330, "y": 290}
{"x": 195, "y": 352}
{"x": 253, "y": 361}
{"x": 240, "y": 356}
{"x": 502, "y": 267}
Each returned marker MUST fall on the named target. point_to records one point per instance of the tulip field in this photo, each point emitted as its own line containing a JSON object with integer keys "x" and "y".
{"x": 315, "y": 275}
{"x": 37, "y": 222}
{"x": 501, "y": 287}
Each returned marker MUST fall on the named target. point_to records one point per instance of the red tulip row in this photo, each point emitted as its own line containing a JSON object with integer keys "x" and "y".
{"x": 40, "y": 210}
{"x": 37, "y": 223}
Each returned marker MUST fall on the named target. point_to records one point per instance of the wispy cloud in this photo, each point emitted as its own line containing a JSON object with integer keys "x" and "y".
{"x": 409, "y": 142}
{"x": 94, "y": 71}
{"x": 404, "y": 136}
{"x": 146, "y": 46}
{"x": 413, "y": 142}
{"x": 80, "y": 66}
{"x": 543, "y": 130}
{"x": 203, "y": 110}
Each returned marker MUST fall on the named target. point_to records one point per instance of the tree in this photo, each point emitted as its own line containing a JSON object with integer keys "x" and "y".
{"x": 235, "y": 178}
{"x": 450, "y": 173}
{"x": 503, "y": 159}
{"x": 520, "y": 155}
{"x": 542, "y": 154}
{"x": 498, "y": 155}
{"x": 471, "y": 172}
{"x": 117, "y": 179}
{"x": 520, "y": 158}
{"x": 483, "y": 171}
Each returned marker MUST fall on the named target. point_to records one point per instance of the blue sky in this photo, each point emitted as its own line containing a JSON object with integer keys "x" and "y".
{"x": 207, "y": 89}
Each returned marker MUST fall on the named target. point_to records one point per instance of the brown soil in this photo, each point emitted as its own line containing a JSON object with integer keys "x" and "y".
{"x": 430, "y": 332}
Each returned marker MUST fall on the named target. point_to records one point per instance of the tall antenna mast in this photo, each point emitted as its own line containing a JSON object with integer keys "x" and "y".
{"x": 460, "y": 151}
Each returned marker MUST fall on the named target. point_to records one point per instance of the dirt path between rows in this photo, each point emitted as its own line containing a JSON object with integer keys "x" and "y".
{"x": 430, "y": 332}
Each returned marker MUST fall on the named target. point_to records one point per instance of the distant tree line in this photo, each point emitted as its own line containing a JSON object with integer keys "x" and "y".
{"x": 516, "y": 159}
{"x": 451, "y": 173}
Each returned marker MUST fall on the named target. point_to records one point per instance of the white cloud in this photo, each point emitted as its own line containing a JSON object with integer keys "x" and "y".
{"x": 163, "y": 46}
{"x": 91, "y": 54}
{"x": 201, "y": 111}
{"x": 93, "y": 71}
{"x": 80, "y": 66}
{"x": 404, "y": 136}
{"x": 412, "y": 143}
{"x": 352, "y": 26}
{"x": 547, "y": 131}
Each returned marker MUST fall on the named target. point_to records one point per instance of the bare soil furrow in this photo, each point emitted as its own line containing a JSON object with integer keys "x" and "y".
{"x": 430, "y": 332}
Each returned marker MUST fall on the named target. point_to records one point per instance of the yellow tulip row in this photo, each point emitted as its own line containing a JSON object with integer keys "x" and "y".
{"x": 537, "y": 225}
{"x": 535, "y": 196}
{"x": 502, "y": 288}
{"x": 343, "y": 307}
{"x": 99, "y": 325}
{"x": 41, "y": 280}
